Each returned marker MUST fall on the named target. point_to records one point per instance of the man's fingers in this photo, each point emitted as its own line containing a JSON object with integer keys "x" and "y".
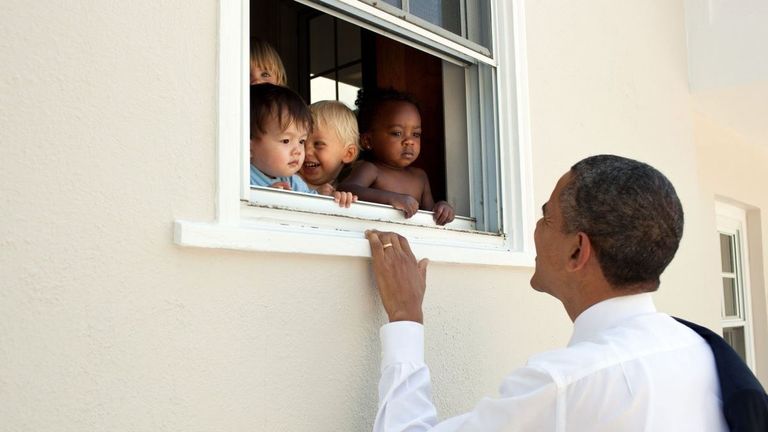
{"x": 405, "y": 246}
{"x": 423, "y": 263}
{"x": 374, "y": 241}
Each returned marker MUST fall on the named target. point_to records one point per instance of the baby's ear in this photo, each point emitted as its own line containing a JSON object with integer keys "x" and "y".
{"x": 350, "y": 153}
{"x": 365, "y": 141}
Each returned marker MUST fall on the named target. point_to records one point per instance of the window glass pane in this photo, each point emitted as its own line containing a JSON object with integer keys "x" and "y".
{"x": 735, "y": 338}
{"x": 478, "y": 16}
{"x": 322, "y": 88}
{"x": 395, "y": 3}
{"x": 730, "y": 300}
{"x": 321, "y": 55}
{"x": 726, "y": 252}
{"x": 348, "y": 42}
{"x": 443, "y": 13}
{"x": 350, "y": 81}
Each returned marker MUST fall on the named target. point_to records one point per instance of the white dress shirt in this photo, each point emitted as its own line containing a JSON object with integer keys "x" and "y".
{"x": 626, "y": 368}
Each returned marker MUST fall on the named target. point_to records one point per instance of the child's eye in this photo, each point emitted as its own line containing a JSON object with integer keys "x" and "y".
{"x": 319, "y": 145}
{"x": 266, "y": 74}
{"x": 417, "y": 134}
{"x": 396, "y": 133}
{"x": 285, "y": 141}
{"x": 302, "y": 142}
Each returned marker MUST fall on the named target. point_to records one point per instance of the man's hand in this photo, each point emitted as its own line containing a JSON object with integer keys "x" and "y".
{"x": 400, "y": 279}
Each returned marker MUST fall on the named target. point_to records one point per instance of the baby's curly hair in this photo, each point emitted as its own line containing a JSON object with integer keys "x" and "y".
{"x": 369, "y": 101}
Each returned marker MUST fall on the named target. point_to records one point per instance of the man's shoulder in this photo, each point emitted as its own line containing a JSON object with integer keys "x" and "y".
{"x": 638, "y": 337}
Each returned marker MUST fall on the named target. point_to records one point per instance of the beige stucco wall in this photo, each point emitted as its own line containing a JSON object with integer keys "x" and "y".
{"x": 733, "y": 170}
{"x": 107, "y": 132}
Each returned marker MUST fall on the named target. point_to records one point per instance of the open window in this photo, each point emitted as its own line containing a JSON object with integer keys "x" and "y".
{"x": 469, "y": 77}
{"x": 332, "y": 53}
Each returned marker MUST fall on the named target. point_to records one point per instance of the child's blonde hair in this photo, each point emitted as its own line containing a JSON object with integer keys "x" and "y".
{"x": 265, "y": 57}
{"x": 340, "y": 117}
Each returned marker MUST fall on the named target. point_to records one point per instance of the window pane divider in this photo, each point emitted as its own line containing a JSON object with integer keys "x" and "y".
{"x": 378, "y": 20}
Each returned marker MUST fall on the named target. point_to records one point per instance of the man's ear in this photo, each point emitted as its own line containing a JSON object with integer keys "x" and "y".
{"x": 580, "y": 253}
{"x": 350, "y": 153}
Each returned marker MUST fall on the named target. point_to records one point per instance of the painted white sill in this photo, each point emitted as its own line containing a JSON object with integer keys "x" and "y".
{"x": 290, "y": 222}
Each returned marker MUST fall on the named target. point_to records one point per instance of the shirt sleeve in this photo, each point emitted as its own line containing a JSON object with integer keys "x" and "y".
{"x": 527, "y": 401}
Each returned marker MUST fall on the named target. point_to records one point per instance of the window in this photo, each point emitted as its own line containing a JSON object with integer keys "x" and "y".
{"x": 735, "y": 309}
{"x": 480, "y": 163}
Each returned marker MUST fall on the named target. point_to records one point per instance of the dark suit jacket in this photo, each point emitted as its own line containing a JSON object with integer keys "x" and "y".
{"x": 745, "y": 403}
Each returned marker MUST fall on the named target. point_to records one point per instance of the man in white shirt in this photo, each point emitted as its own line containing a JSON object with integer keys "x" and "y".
{"x": 609, "y": 229}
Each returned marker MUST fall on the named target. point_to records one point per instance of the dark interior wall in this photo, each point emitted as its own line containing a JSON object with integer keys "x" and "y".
{"x": 277, "y": 22}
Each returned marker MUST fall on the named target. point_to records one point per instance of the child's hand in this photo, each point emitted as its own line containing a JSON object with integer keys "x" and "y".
{"x": 406, "y": 203}
{"x": 281, "y": 185}
{"x": 345, "y": 199}
{"x": 326, "y": 189}
{"x": 443, "y": 213}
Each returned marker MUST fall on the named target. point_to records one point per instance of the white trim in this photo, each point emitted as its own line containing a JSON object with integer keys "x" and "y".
{"x": 520, "y": 224}
{"x": 324, "y": 205}
{"x": 229, "y": 127}
{"x": 267, "y": 236}
{"x": 397, "y": 22}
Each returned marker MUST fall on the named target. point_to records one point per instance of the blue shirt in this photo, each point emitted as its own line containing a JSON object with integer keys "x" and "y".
{"x": 258, "y": 178}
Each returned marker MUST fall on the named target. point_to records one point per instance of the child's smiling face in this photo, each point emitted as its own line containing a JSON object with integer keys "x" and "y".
{"x": 278, "y": 153}
{"x": 395, "y": 134}
{"x": 326, "y": 154}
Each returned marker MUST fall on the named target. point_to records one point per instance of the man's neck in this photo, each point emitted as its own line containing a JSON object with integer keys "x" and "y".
{"x": 590, "y": 295}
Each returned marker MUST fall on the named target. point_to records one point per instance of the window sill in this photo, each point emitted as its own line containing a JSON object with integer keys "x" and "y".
{"x": 274, "y": 224}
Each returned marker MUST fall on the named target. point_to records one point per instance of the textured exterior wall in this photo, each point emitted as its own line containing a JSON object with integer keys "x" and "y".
{"x": 107, "y": 135}
{"x": 733, "y": 168}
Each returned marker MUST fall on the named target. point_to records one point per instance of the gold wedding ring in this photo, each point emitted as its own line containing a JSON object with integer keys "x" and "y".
{"x": 387, "y": 245}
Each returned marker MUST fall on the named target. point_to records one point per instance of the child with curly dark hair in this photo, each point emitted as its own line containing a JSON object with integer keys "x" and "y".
{"x": 390, "y": 131}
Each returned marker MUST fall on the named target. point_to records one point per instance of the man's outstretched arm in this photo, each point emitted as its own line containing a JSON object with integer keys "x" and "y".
{"x": 528, "y": 395}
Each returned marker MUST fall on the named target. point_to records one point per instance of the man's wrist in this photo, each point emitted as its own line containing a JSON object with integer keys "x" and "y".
{"x": 415, "y": 316}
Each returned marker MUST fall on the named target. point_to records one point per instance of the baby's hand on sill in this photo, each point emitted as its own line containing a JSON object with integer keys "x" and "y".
{"x": 281, "y": 185}
{"x": 406, "y": 203}
{"x": 443, "y": 213}
{"x": 325, "y": 189}
{"x": 345, "y": 199}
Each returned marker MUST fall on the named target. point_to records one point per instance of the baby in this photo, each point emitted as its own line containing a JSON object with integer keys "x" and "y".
{"x": 390, "y": 126}
{"x": 266, "y": 66}
{"x": 332, "y": 145}
{"x": 280, "y": 122}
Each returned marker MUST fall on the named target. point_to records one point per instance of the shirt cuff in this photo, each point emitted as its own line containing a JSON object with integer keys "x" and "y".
{"x": 401, "y": 342}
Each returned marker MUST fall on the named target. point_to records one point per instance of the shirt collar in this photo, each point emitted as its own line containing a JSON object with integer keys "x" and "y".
{"x": 609, "y": 313}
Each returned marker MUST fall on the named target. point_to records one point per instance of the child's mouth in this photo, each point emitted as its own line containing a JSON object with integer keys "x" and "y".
{"x": 311, "y": 164}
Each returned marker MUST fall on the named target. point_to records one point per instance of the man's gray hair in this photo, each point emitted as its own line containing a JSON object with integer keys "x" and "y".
{"x": 631, "y": 214}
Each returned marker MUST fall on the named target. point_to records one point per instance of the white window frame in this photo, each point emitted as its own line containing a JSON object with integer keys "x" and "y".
{"x": 276, "y": 228}
{"x": 732, "y": 221}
